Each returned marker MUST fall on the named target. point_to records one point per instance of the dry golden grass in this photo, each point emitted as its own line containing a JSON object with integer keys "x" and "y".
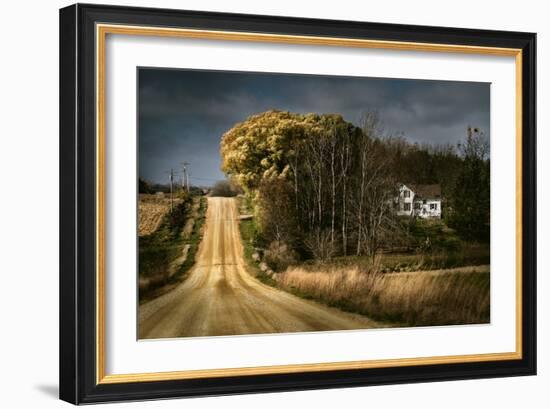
{"x": 402, "y": 299}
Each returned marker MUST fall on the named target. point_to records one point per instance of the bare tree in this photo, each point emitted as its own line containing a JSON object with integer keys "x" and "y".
{"x": 294, "y": 163}
{"x": 367, "y": 172}
{"x": 333, "y": 145}
{"x": 314, "y": 161}
{"x": 376, "y": 186}
{"x": 345, "y": 165}
{"x": 319, "y": 243}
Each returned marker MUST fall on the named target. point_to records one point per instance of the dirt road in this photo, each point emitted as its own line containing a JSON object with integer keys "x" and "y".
{"x": 221, "y": 298}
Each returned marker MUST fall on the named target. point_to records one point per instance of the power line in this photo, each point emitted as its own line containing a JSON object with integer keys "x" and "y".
{"x": 211, "y": 179}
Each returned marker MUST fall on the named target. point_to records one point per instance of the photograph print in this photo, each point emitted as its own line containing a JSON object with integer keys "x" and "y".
{"x": 282, "y": 203}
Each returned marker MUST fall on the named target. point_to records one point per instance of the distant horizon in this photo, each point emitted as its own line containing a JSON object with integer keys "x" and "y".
{"x": 182, "y": 114}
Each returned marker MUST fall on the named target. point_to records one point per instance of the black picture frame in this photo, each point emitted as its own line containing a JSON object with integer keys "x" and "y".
{"x": 78, "y": 360}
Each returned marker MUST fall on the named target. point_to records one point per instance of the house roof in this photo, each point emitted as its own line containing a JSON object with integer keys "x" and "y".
{"x": 427, "y": 191}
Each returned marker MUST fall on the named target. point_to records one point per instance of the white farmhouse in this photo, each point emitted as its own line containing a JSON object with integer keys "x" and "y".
{"x": 422, "y": 201}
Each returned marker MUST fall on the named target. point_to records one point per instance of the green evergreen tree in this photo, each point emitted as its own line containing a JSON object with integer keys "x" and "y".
{"x": 470, "y": 214}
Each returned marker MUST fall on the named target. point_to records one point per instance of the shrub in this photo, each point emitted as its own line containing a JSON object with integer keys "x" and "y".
{"x": 279, "y": 256}
{"x": 224, "y": 188}
{"x": 320, "y": 245}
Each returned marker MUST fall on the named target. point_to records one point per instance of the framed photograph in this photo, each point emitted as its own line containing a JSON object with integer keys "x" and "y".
{"x": 257, "y": 203}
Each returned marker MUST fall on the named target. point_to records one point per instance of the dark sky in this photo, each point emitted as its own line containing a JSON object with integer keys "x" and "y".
{"x": 184, "y": 113}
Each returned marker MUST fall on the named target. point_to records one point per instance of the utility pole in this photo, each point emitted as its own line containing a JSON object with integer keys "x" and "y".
{"x": 171, "y": 190}
{"x": 185, "y": 178}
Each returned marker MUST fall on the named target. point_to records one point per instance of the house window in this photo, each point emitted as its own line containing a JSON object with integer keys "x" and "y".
{"x": 417, "y": 205}
{"x": 407, "y": 207}
{"x": 406, "y": 193}
{"x": 424, "y": 201}
{"x": 433, "y": 206}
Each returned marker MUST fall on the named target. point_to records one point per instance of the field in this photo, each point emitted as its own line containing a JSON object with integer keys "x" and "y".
{"x": 169, "y": 241}
{"x": 152, "y": 210}
{"x": 469, "y": 254}
{"x": 439, "y": 297}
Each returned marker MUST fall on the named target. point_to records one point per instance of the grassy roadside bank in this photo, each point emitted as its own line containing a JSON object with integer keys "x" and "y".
{"x": 248, "y": 232}
{"x": 402, "y": 299}
{"x": 249, "y": 238}
{"x": 166, "y": 255}
{"x": 194, "y": 239}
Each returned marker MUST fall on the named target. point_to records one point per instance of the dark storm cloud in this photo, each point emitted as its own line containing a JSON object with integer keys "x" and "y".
{"x": 183, "y": 114}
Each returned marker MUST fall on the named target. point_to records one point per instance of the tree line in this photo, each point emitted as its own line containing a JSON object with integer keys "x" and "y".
{"x": 322, "y": 186}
